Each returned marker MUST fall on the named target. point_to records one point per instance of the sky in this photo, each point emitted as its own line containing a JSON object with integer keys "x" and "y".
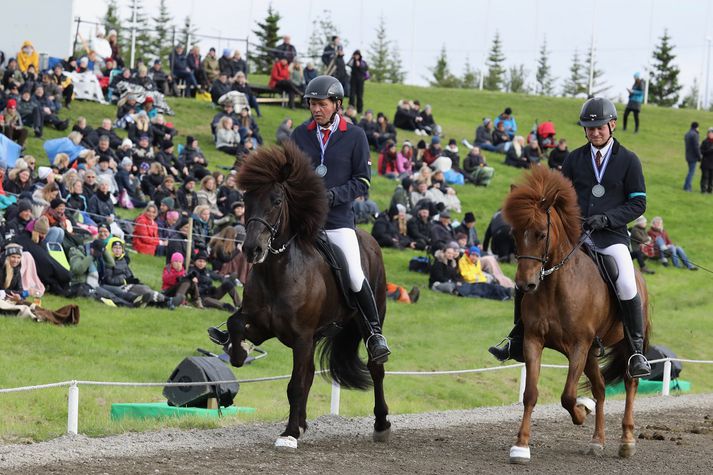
{"x": 624, "y": 32}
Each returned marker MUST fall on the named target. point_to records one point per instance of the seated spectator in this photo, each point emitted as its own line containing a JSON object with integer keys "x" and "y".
{"x": 428, "y": 123}
{"x": 238, "y": 64}
{"x": 419, "y": 228}
{"x": 202, "y": 225}
{"x": 383, "y": 132}
{"x": 52, "y": 274}
{"x": 227, "y": 138}
{"x": 64, "y": 83}
{"x": 11, "y": 272}
{"x": 484, "y": 136}
{"x": 106, "y": 129}
{"x": 186, "y": 198}
{"x": 143, "y": 79}
{"x": 389, "y": 229}
{"x": 508, "y": 121}
{"x": 208, "y": 196}
{"x": 166, "y": 230}
{"x": 558, "y": 155}
{"x": 501, "y": 140}
{"x": 152, "y": 180}
{"x": 476, "y": 169}
{"x": 402, "y": 196}
{"x": 101, "y": 207}
{"x": 19, "y": 179}
{"x": 443, "y": 276}
{"x": 280, "y": 81}
{"x": 211, "y": 67}
{"x": 477, "y": 283}
{"x": 387, "y": 165}
{"x": 640, "y": 240}
{"x": 515, "y": 157}
{"x": 365, "y": 210}
{"x": 12, "y": 75}
{"x": 467, "y": 227}
{"x": 224, "y": 248}
{"x": 11, "y": 123}
{"x": 451, "y": 152}
{"x": 665, "y": 249}
{"x": 400, "y": 294}
{"x": 296, "y": 75}
{"x": 225, "y": 63}
{"x": 210, "y": 296}
{"x": 310, "y": 72}
{"x": 533, "y": 152}
{"x": 28, "y": 56}
{"x": 248, "y": 128}
{"x": 433, "y": 151}
{"x": 407, "y": 118}
{"x": 17, "y": 224}
{"x": 350, "y": 115}
{"x": 195, "y": 64}
{"x": 129, "y": 186}
{"x": 499, "y": 239}
{"x": 368, "y": 125}
{"x": 160, "y": 78}
{"x": 219, "y": 87}
{"x": 30, "y": 112}
{"x": 228, "y": 194}
{"x": 194, "y": 160}
{"x": 284, "y": 131}
{"x": 181, "y": 71}
{"x": 442, "y": 232}
{"x": 145, "y": 240}
{"x": 173, "y": 275}
{"x": 84, "y": 130}
{"x": 241, "y": 85}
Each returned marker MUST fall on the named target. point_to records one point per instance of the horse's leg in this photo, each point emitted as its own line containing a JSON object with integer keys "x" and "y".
{"x": 302, "y": 350}
{"x": 627, "y": 448}
{"x": 307, "y": 384}
{"x": 520, "y": 452}
{"x": 382, "y": 426}
{"x": 577, "y": 360}
{"x": 596, "y": 380}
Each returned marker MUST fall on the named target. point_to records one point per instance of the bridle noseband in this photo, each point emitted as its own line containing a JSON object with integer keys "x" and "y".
{"x": 274, "y": 230}
{"x": 545, "y": 256}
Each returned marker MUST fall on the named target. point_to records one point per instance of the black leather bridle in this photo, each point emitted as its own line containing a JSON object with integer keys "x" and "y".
{"x": 274, "y": 230}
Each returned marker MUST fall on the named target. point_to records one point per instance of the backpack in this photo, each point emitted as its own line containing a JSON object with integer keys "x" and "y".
{"x": 420, "y": 264}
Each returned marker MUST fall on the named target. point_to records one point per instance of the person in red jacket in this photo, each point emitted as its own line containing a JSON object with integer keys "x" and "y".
{"x": 173, "y": 272}
{"x": 280, "y": 80}
{"x": 146, "y": 231}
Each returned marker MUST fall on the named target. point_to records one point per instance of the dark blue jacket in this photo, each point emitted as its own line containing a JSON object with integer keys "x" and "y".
{"x": 348, "y": 167}
{"x": 179, "y": 63}
{"x": 625, "y": 196}
{"x": 693, "y": 152}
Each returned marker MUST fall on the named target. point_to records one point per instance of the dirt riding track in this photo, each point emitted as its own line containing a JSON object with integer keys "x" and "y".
{"x": 674, "y": 435}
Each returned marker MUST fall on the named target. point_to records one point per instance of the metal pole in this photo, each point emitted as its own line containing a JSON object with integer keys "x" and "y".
{"x": 133, "y": 35}
{"x": 73, "y": 408}
{"x": 666, "y": 383}
{"x": 591, "y": 55}
{"x": 76, "y": 34}
{"x": 523, "y": 382}
{"x": 706, "y": 99}
{"x": 336, "y": 392}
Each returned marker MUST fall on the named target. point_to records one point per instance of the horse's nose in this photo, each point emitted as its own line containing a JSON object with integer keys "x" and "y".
{"x": 530, "y": 287}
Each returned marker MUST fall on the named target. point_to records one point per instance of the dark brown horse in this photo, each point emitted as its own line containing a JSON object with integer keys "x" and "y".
{"x": 567, "y": 308}
{"x": 291, "y": 293}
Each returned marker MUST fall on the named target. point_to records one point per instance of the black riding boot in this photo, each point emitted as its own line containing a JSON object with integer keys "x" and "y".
{"x": 371, "y": 326}
{"x": 511, "y": 347}
{"x": 633, "y": 320}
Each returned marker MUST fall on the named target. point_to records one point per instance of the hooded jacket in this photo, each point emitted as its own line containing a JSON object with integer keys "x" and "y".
{"x": 25, "y": 60}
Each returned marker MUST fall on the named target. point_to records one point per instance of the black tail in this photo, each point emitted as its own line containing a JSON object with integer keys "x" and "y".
{"x": 340, "y": 355}
{"x": 615, "y": 363}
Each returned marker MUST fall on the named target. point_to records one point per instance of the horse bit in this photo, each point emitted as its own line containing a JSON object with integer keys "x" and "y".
{"x": 274, "y": 229}
{"x": 545, "y": 256}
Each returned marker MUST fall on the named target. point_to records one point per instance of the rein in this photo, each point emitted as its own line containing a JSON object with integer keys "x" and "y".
{"x": 274, "y": 230}
{"x": 545, "y": 256}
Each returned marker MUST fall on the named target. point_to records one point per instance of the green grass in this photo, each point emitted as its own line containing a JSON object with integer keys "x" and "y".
{"x": 440, "y": 332}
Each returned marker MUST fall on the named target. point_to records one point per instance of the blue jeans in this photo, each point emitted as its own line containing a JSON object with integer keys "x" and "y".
{"x": 689, "y": 178}
{"x": 676, "y": 253}
{"x": 54, "y": 235}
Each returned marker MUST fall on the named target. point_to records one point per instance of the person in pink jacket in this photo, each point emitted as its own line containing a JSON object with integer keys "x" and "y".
{"x": 146, "y": 231}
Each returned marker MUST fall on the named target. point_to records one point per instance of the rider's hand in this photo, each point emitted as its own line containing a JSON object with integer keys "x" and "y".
{"x": 596, "y": 222}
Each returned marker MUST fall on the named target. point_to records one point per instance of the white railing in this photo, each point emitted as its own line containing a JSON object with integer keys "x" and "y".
{"x": 73, "y": 395}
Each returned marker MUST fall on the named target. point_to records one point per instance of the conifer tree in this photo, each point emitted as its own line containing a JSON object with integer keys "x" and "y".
{"x": 543, "y": 76}
{"x": 495, "y": 78}
{"x": 187, "y": 34}
{"x": 112, "y": 20}
{"x": 396, "y": 73}
{"x": 576, "y": 82}
{"x": 162, "y": 26}
{"x": 664, "y": 88}
{"x": 379, "y": 59}
{"x": 323, "y": 28}
{"x": 442, "y": 76}
{"x": 690, "y": 101}
{"x": 268, "y": 35}
{"x": 599, "y": 87}
{"x": 144, "y": 41}
{"x": 516, "y": 79}
{"x": 471, "y": 77}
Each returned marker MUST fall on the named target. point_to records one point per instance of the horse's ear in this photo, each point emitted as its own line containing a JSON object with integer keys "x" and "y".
{"x": 512, "y": 187}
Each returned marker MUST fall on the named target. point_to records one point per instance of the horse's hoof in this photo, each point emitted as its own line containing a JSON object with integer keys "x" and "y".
{"x": 627, "y": 449}
{"x": 519, "y": 455}
{"x": 287, "y": 442}
{"x": 595, "y": 449}
{"x": 382, "y": 436}
{"x": 588, "y": 404}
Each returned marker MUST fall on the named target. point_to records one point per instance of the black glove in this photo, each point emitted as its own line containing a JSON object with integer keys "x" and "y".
{"x": 330, "y": 198}
{"x": 596, "y": 222}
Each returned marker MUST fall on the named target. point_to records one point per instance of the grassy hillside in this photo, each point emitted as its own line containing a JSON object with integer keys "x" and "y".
{"x": 440, "y": 332}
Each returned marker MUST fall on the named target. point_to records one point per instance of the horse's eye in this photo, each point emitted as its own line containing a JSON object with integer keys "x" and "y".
{"x": 278, "y": 201}
{"x": 541, "y": 236}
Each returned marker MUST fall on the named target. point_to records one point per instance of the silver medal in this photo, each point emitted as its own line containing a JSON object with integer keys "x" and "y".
{"x": 598, "y": 191}
{"x": 321, "y": 170}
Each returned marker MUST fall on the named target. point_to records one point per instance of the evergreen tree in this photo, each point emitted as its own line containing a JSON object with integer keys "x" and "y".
{"x": 664, "y": 88}
{"x": 187, "y": 34}
{"x": 379, "y": 55}
{"x": 516, "y": 78}
{"x": 576, "y": 83}
{"x": 396, "y": 73}
{"x": 471, "y": 77}
{"x": 495, "y": 78}
{"x": 162, "y": 26}
{"x": 543, "y": 77}
{"x": 442, "y": 76}
{"x": 599, "y": 87}
{"x": 111, "y": 20}
{"x": 268, "y": 35}
{"x": 690, "y": 101}
{"x": 144, "y": 41}
{"x": 323, "y": 28}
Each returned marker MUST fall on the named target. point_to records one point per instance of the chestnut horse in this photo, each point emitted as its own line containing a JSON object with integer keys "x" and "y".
{"x": 291, "y": 292}
{"x": 566, "y": 306}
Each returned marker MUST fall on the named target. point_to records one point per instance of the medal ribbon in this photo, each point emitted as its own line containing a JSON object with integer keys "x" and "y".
{"x": 599, "y": 171}
{"x": 324, "y": 141}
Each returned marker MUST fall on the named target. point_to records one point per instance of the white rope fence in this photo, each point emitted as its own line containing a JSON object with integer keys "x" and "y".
{"x": 73, "y": 385}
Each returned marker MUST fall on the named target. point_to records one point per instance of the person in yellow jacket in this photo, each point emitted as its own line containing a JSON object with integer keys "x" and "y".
{"x": 28, "y": 56}
{"x": 470, "y": 268}
{"x": 476, "y": 283}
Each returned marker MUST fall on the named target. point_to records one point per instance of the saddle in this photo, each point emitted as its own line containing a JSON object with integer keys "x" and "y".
{"x": 335, "y": 259}
{"x": 607, "y": 267}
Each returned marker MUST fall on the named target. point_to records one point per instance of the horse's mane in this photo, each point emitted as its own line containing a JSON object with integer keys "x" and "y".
{"x": 543, "y": 188}
{"x": 289, "y": 166}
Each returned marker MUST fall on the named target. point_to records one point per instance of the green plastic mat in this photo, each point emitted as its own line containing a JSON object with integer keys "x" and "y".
{"x": 649, "y": 387}
{"x": 156, "y": 410}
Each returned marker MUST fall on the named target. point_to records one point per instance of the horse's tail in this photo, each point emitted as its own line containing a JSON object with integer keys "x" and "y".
{"x": 339, "y": 354}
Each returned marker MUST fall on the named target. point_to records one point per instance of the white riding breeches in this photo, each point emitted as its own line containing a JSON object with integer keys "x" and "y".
{"x": 626, "y": 282}
{"x": 346, "y": 240}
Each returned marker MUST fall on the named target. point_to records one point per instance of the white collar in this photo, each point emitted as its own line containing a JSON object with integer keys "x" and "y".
{"x": 604, "y": 150}
{"x": 333, "y": 126}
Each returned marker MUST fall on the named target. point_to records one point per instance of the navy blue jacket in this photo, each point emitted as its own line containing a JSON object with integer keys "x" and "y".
{"x": 348, "y": 168}
{"x": 625, "y": 196}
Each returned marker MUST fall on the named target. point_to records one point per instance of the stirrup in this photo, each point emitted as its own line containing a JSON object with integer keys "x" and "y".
{"x": 218, "y": 336}
{"x": 498, "y": 350}
{"x": 642, "y": 375}
{"x": 383, "y": 357}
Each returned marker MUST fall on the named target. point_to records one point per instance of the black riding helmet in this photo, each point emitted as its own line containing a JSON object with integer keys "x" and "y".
{"x": 324, "y": 87}
{"x": 596, "y": 112}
